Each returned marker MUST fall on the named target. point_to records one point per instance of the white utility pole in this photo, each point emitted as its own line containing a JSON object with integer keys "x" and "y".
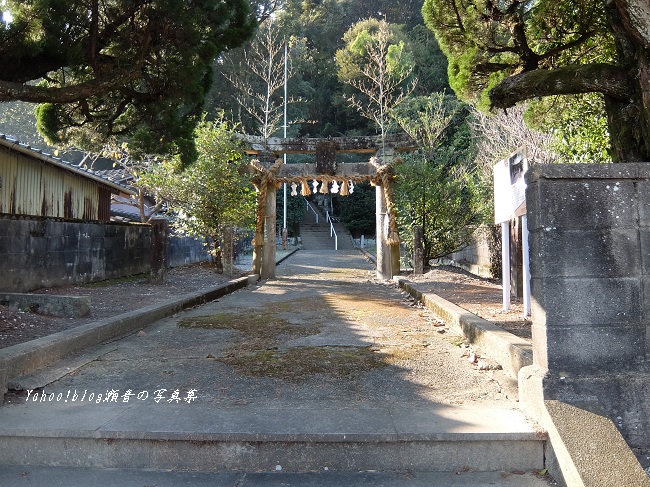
{"x": 284, "y": 224}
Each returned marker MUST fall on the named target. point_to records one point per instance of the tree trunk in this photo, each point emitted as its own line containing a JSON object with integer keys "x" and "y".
{"x": 629, "y": 119}
{"x": 217, "y": 254}
{"x": 218, "y": 260}
{"x": 626, "y": 128}
{"x": 626, "y": 103}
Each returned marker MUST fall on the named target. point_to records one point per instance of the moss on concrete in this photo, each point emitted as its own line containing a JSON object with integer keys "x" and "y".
{"x": 261, "y": 349}
{"x": 300, "y": 363}
{"x": 260, "y": 330}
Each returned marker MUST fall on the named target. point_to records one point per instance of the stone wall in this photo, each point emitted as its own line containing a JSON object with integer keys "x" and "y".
{"x": 590, "y": 282}
{"x": 475, "y": 256}
{"x": 36, "y": 253}
{"x": 186, "y": 250}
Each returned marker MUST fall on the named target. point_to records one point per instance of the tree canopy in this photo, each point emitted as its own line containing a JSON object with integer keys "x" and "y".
{"x": 210, "y": 195}
{"x": 438, "y": 186}
{"x": 507, "y": 52}
{"x": 117, "y": 67}
{"x": 316, "y": 29}
{"x": 377, "y": 63}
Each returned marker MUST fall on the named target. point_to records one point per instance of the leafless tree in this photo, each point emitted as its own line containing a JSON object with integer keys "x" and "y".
{"x": 260, "y": 77}
{"x": 502, "y": 133}
{"x": 381, "y": 78}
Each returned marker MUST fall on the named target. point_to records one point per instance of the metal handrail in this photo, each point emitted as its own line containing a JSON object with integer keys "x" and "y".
{"x": 311, "y": 208}
{"x": 332, "y": 231}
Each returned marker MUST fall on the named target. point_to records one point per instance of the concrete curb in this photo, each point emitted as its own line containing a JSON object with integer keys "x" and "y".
{"x": 27, "y": 357}
{"x": 368, "y": 255}
{"x": 510, "y": 351}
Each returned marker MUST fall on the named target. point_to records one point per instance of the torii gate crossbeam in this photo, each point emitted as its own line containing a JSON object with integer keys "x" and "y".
{"x": 378, "y": 170}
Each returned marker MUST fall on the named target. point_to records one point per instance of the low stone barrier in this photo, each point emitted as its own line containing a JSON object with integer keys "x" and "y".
{"x": 48, "y": 304}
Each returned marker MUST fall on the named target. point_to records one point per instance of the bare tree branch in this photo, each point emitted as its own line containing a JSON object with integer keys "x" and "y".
{"x": 264, "y": 60}
{"x": 383, "y": 88}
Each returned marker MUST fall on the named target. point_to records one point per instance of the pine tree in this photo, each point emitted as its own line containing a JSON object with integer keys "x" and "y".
{"x": 117, "y": 68}
{"x": 515, "y": 50}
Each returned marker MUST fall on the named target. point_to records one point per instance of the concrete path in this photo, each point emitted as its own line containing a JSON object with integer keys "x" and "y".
{"x": 322, "y": 369}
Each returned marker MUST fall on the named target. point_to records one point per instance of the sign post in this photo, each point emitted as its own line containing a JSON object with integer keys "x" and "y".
{"x": 505, "y": 264}
{"x": 510, "y": 202}
{"x": 526, "y": 264}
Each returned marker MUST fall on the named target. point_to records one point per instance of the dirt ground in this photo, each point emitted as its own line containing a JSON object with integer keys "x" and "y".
{"x": 109, "y": 298}
{"x": 481, "y": 296}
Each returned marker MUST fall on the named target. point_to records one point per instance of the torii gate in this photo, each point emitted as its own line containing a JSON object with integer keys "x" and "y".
{"x": 270, "y": 173}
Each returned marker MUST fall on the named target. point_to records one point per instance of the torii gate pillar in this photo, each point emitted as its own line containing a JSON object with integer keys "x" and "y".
{"x": 384, "y": 267}
{"x": 388, "y": 256}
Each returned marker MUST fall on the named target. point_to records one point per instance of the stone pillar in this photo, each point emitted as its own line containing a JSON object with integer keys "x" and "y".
{"x": 267, "y": 270}
{"x": 159, "y": 249}
{"x": 590, "y": 279}
{"x": 516, "y": 261}
{"x": 589, "y": 260}
{"x": 384, "y": 256}
{"x": 228, "y": 251}
{"x": 418, "y": 249}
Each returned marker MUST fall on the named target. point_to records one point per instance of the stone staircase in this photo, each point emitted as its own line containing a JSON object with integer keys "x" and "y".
{"x": 316, "y": 236}
{"x": 413, "y": 447}
{"x": 84, "y": 477}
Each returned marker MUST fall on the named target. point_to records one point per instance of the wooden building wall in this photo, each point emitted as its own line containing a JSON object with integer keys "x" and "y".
{"x": 29, "y": 186}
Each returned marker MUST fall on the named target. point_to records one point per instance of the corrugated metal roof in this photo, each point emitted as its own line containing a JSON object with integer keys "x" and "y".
{"x": 14, "y": 144}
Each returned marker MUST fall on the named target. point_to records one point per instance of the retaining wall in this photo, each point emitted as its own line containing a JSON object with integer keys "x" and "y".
{"x": 475, "y": 256}
{"x": 36, "y": 253}
{"x": 186, "y": 250}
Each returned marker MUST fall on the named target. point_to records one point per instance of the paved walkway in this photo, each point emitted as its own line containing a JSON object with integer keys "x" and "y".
{"x": 321, "y": 354}
{"x": 316, "y": 302}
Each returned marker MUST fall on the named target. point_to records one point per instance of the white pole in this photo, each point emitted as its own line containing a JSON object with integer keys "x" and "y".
{"x": 284, "y": 224}
{"x": 526, "y": 264}
{"x": 505, "y": 264}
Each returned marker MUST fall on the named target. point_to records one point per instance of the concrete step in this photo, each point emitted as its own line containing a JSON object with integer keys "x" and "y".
{"x": 315, "y": 229}
{"x": 255, "y": 438}
{"x": 83, "y": 477}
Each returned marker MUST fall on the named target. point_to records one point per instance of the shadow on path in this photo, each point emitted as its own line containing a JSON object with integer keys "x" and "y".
{"x": 322, "y": 354}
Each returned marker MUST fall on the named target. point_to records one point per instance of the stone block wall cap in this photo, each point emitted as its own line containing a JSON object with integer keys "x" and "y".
{"x": 632, "y": 170}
